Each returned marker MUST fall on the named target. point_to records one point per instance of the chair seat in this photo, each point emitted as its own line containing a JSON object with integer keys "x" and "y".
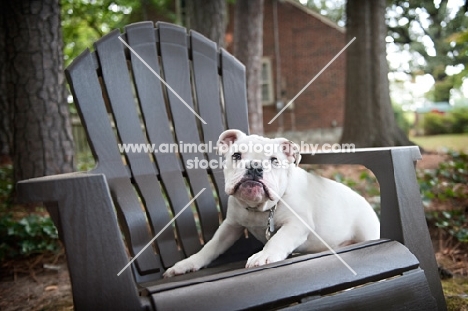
{"x": 293, "y": 281}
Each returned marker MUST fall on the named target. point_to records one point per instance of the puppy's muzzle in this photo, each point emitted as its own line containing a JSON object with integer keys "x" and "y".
{"x": 255, "y": 170}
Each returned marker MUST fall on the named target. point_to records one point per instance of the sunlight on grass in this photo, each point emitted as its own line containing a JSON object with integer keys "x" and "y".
{"x": 458, "y": 142}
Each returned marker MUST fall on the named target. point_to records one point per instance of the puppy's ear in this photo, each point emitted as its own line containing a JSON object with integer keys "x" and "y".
{"x": 291, "y": 150}
{"x": 226, "y": 139}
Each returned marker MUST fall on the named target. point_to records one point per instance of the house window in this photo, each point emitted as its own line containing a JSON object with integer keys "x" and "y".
{"x": 267, "y": 82}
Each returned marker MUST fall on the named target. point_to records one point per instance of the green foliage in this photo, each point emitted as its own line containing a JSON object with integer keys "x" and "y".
{"x": 447, "y": 185}
{"x": 22, "y": 236}
{"x": 85, "y": 161}
{"x": 84, "y": 21}
{"x": 460, "y": 120}
{"x": 400, "y": 119}
{"x": 6, "y": 186}
{"x": 25, "y": 233}
{"x": 30, "y": 235}
{"x": 454, "y": 122}
{"x": 334, "y": 10}
{"x": 454, "y": 222}
{"x": 430, "y": 31}
{"x": 441, "y": 89}
{"x": 435, "y": 123}
{"x": 446, "y": 182}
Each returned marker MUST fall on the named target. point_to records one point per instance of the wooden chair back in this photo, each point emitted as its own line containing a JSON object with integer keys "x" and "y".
{"x": 121, "y": 100}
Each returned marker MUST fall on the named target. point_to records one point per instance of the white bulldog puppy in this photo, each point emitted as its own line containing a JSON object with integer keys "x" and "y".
{"x": 265, "y": 186}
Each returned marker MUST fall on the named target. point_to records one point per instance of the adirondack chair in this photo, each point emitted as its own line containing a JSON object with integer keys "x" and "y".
{"x": 106, "y": 216}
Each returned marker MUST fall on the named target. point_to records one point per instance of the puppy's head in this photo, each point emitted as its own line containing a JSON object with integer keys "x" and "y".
{"x": 257, "y": 168}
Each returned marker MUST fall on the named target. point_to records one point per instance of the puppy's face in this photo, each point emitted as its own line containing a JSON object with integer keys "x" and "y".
{"x": 257, "y": 168}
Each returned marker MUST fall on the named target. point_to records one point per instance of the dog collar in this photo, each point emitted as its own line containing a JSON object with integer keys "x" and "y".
{"x": 270, "y": 229}
{"x": 252, "y": 209}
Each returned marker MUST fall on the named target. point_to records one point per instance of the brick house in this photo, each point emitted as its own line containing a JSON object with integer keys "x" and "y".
{"x": 306, "y": 42}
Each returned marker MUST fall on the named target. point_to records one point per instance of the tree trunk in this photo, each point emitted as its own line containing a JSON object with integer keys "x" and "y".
{"x": 208, "y": 17}
{"x": 369, "y": 119}
{"x": 36, "y": 93}
{"x": 248, "y": 48}
{"x": 5, "y": 128}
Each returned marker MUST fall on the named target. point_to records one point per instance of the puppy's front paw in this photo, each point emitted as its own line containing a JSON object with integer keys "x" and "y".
{"x": 262, "y": 258}
{"x": 182, "y": 267}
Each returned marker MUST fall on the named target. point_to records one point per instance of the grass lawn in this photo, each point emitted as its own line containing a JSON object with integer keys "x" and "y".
{"x": 458, "y": 142}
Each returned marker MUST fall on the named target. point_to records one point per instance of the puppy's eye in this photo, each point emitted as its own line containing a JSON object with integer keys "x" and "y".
{"x": 274, "y": 160}
{"x": 236, "y": 156}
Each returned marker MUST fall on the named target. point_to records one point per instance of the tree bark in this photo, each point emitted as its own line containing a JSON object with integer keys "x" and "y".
{"x": 208, "y": 17}
{"x": 248, "y": 48}
{"x": 369, "y": 119}
{"x": 36, "y": 93}
{"x": 5, "y": 128}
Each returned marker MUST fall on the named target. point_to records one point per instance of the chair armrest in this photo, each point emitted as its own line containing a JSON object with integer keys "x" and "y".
{"x": 402, "y": 212}
{"x": 42, "y": 189}
{"x": 92, "y": 238}
{"x": 399, "y": 204}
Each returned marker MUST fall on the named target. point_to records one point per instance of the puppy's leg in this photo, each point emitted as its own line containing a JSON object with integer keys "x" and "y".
{"x": 281, "y": 245}
{"x": 223, "y": 238}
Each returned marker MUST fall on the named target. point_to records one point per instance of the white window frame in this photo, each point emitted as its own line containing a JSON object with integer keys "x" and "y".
{"x": 266, "y": 64}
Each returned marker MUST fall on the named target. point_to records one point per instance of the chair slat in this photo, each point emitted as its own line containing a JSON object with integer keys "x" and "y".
{"x": 118, "y": 86}
{"x": 149, "y": 91}
{"x": 407, "y": 292}
{"x": 207, "y": 87}
{"x": 141, "y": 38}
{"x": 235, "y": 97}
{"x": 88, "y": 95}
{"x": 176, "y": 68}
{"x": 313, "y": 274}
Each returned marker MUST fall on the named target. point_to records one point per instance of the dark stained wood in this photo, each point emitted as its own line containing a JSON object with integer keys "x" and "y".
{"x": 414, "y": 227}
{"x": 407, "y": 292}
{"x": 235, "y": 96}
{"x": 176, "y": 68}
{"x": 141, "y": 37}
{"x": 95, "y": 250}
{"x": 118, "y": 88}
{"x": 207, "y": 90}
{"x": 87, "y": 95}
{"x": 305, "y": 275}
{"x": 90, "y": 104}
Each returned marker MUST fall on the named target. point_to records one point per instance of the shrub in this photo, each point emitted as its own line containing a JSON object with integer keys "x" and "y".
{"x": 435, "y": 123}
{"x": 30, "y": 235}
{"x": 453, "y": 222}
{"x": 448, "y": 185}
{"x": 448, "y": 181}
{"x": 459, "y": 120}
{"x": 22, "y": 235}
{"x": 455, "y": 122}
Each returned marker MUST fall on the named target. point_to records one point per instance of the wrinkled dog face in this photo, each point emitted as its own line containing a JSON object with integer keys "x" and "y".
{"x": 256, "y": 168}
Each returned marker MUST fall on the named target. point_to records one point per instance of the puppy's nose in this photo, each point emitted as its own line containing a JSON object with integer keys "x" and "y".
{"x": 255, "y": 170}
